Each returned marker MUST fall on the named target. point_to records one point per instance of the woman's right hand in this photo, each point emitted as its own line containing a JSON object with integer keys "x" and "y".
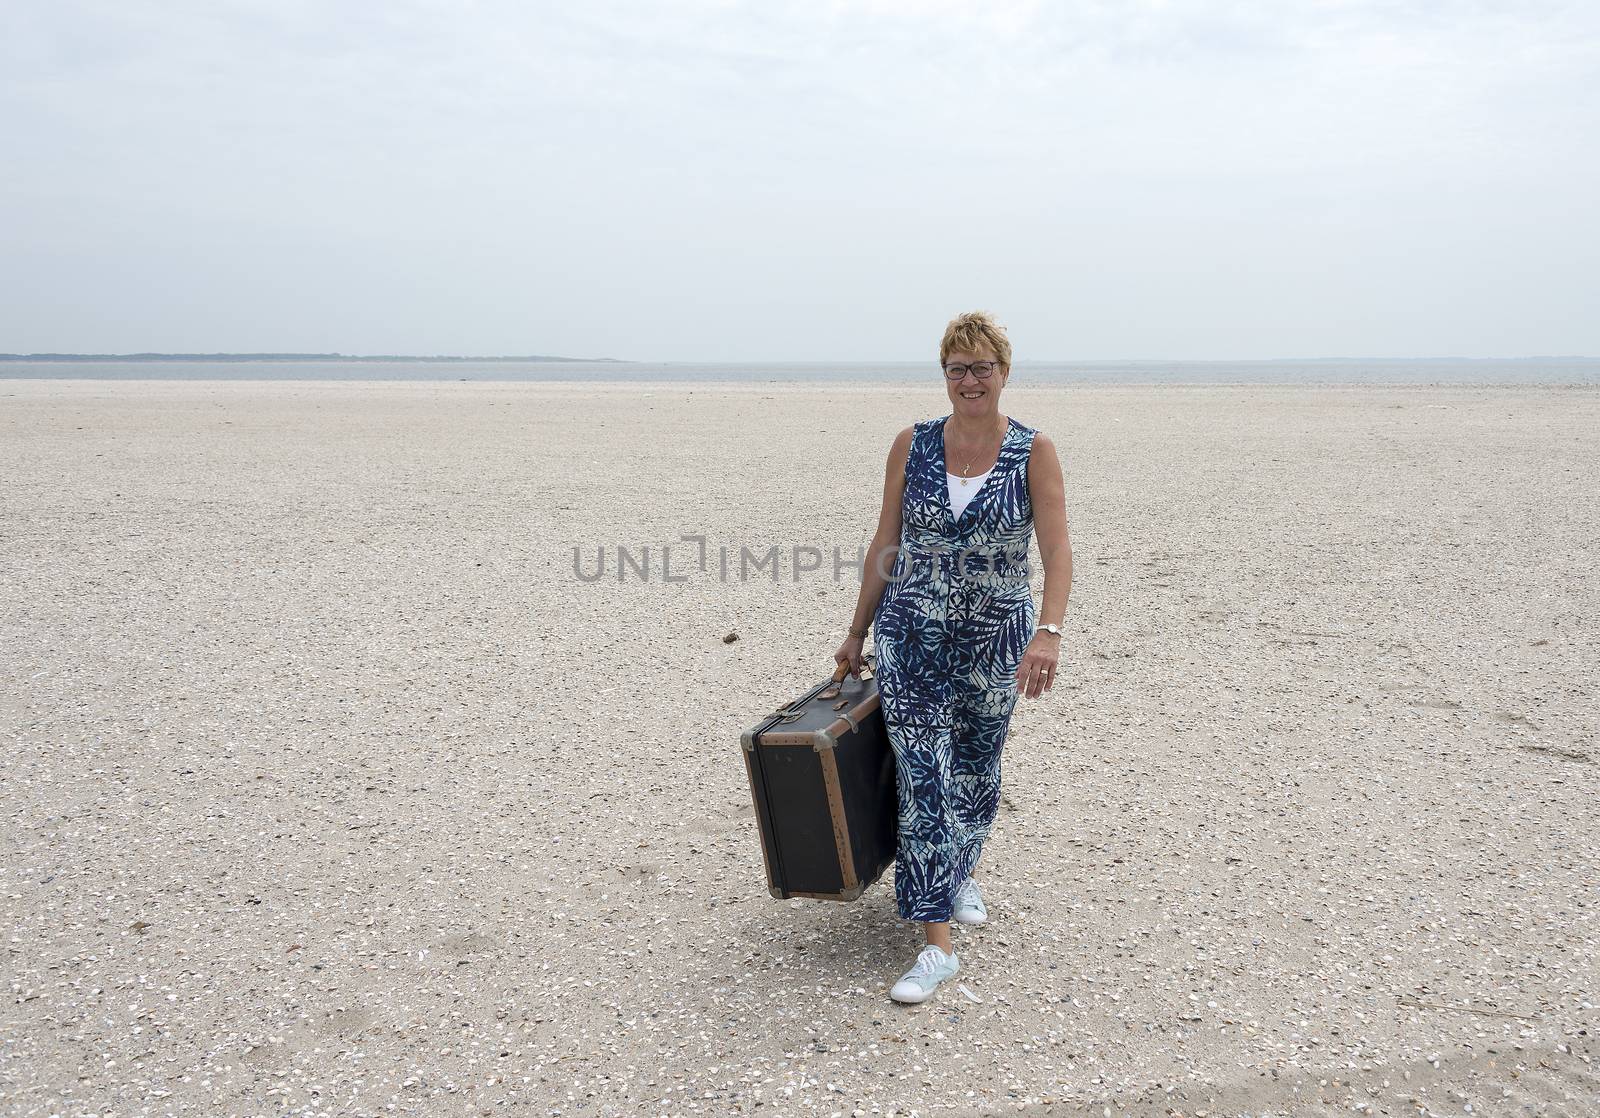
{"x": 850, "y": 653}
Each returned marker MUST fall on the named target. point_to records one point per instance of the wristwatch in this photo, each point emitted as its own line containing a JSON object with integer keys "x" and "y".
{"x": 1053, "y": 630}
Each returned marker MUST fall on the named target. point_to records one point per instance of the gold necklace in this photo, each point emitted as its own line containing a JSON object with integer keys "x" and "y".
{"x": 968, "y": 467}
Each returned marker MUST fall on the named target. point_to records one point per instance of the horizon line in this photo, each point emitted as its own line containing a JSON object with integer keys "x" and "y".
{"x": 150, "y": 356}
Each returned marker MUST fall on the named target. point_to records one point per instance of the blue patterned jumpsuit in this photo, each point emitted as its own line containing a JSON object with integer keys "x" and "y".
{"x": 950, "y": 631}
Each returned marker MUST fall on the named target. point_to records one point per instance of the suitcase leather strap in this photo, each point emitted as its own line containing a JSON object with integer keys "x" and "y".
{"x": 830, "y": 690}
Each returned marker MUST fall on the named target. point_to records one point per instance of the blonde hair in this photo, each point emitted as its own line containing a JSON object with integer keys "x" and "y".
{"x": 970, "y": 332}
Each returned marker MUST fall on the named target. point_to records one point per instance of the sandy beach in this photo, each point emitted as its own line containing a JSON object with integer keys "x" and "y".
{"x": 331, "y": 787}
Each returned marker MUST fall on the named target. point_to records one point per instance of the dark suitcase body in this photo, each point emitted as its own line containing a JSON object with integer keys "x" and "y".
{"x": 823, "y": 779}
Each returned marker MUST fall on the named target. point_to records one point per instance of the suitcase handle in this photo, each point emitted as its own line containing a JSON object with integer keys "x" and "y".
{"x": 830, "y": 690}
{"x": 839, "y": 672}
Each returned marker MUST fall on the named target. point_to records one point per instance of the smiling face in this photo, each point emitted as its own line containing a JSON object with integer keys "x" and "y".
{"x": 972, "y": 396}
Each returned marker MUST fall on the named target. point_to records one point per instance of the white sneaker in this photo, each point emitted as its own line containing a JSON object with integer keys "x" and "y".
{"x": 918, "y": 984}
{"x": 969, "y": 908}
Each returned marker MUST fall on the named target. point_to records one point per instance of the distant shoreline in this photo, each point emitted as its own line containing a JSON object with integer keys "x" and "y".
{"x": 341, "y": 357}
{"x": 336, "y": 368}
{"x": 453, "y": 359}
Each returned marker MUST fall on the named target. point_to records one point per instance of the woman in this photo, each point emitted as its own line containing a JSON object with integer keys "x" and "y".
{"x": 956, "y": 633}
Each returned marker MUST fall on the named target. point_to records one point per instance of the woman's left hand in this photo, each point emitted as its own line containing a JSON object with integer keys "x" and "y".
{"x": 1038, "y": 668}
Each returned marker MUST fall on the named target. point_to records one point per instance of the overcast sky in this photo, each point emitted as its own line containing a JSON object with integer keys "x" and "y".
{"x": 800, "y": 181}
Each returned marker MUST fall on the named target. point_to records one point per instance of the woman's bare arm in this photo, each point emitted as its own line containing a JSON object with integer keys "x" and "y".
{"x": 1047, "y": 492}
{"x": 881, "y": 552}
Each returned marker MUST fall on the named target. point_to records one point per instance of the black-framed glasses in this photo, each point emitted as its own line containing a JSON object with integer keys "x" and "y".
{"x": 983, "y": 370}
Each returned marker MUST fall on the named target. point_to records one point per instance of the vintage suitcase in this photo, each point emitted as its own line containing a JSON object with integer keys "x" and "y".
{"x": 822, "y": 774}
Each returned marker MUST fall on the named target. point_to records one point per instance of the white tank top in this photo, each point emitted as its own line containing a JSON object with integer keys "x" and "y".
{"x": 961, "y": 495}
